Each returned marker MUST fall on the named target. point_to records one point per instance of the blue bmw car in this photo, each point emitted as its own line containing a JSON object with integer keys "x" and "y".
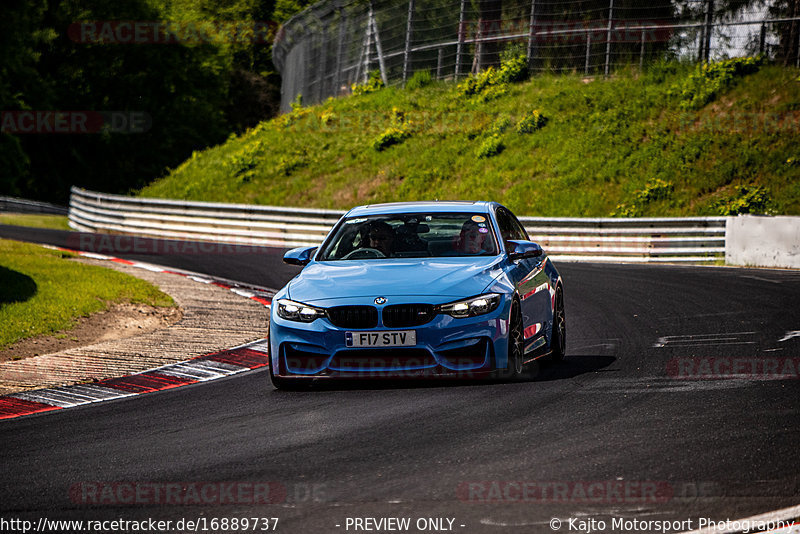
{"x": 423, "y": 289}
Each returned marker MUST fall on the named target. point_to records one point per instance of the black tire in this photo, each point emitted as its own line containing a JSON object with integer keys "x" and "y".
{"x": 516, "y": 346}
{"x": 559, "y": 343}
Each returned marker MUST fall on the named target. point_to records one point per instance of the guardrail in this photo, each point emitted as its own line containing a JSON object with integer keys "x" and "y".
{"x": 690, "y": 239}
{"x": 21, "y": 205}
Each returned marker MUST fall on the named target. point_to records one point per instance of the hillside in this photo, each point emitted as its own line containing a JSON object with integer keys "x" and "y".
{"x": 675, "y": 140}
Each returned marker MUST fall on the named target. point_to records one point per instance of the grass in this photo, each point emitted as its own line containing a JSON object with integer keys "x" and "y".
{"x": 625, "y": 146}
{"x": 43, "y": 291}
{"x": 55, "y": 222}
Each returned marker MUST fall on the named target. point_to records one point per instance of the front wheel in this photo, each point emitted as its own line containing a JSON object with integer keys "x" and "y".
{"x": 516, "y": 346}
{"x": 286, "y": 384}
{"x": 559, "y": 343}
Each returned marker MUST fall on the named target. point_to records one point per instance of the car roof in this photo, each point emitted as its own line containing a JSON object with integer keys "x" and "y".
{"x": 447, "y": 206}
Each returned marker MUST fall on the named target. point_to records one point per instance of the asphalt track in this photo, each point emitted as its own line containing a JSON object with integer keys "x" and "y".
{"x": 637, "y": 422}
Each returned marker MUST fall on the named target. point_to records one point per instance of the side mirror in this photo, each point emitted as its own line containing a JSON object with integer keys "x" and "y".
{"x": 299, "y": 256}
{"x": 518, "y": 249}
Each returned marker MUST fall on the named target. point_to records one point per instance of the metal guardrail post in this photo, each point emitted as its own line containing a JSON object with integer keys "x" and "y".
{"x": 608, "y": 35}
{"x": 407, "y": 51}
{"x": 641, "y": 54}
{"x": 460, "y": 45}
{"x": 531, "y": 33}
{"x": 709, "y": 27}
{"x": 378, "y": 47}
{"x": 340, "y": 50}
{"x": 588, "y": 48}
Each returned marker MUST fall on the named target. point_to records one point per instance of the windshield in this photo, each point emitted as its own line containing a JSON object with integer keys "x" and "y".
{"x": 411, "y": 236}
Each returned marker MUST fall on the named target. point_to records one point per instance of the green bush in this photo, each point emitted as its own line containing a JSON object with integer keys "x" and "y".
{"x": 290, "y": 163}
{"x": 328, "y": 118}
{"x": 397, "y": 117}
{"x": 374, "y": 83}
{"x": 709, "y": 79}
{"x": 420, "y": 79}
{"x": 531, "y": 122}
{"x": 476, "y": 84}
{"x": 297, "y": 103}
{"x": 399, "y": 130}
{"x": 493, "y": 83}
{"x": 491, "y": 146}
{"x": 391, "y": 136}
{"x": 288, "y": 119}
{"x": 746, "y": 199}
{"x": 243, "y": 162}
{"x": 514, "y": 70}
{"x": 656, "y": 190}
{"x": 626, "y": 210}
{"x": 500, "y": 125}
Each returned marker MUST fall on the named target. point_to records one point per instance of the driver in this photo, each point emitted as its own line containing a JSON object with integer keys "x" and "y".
{"x": 382, "y": 237}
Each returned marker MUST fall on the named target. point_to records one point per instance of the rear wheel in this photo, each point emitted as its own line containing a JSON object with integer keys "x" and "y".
{"x": 559, "y": 343}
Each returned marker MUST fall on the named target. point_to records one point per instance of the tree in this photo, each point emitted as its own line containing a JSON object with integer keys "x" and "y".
{"x": 193, "y": 93}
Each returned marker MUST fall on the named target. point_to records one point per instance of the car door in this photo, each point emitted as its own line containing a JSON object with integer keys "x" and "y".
{"x": 531, "y": 281}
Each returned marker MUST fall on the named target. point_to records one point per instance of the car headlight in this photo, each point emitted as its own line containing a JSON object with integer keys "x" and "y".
{"x": 472, "y": 306}
{"x": 297, "y": 311}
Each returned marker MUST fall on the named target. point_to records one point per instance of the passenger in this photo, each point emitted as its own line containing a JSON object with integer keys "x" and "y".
{"x": 471, "y": 238}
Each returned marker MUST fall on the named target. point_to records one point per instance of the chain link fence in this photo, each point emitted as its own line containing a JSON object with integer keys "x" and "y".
{"x": 333, "y": 44}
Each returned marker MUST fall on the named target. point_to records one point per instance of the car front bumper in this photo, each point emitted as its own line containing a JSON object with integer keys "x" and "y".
{"x": 445, "y": 346}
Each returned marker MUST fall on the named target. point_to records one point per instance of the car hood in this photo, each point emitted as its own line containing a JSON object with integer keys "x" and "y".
{"x": 453, "y": 277}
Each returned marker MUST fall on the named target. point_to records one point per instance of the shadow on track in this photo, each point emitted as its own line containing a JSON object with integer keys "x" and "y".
{"x": 573, "y": 366}
{"x": 570, "y": 367}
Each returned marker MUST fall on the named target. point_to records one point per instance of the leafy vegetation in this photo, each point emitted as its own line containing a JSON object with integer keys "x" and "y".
{"x": 42, "y": 291}
{"x": 531, "y": 122}
{"x": 745, "y": 199}
{"x": 657, "y": 190}
{"x": 420, "y": 79}
{"x": 709, "y": 79}
{"x": 622, "y": 146}
{"x": 493, "y": 83}
{"x": 393, "y": 135}
{"x": 374, "y": 83}
{"x": 192, "y": 91}
{"x": 491, "y": 145}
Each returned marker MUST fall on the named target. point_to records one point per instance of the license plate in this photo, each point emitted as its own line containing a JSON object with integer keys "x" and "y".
{"x": 399, "y": 338}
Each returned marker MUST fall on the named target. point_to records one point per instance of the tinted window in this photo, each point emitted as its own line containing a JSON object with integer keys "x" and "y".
{"x": 510, "y": 227}
{"x": 411, "y": 235}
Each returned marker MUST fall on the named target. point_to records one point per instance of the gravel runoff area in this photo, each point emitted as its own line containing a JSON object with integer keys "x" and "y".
{"x": 214, "y": 319}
